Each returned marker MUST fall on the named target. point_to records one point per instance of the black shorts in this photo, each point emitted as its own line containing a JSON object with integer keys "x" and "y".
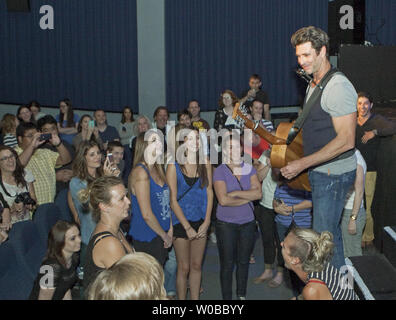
{"x": 179, "y": 232}
{"x": 154, "y": 248}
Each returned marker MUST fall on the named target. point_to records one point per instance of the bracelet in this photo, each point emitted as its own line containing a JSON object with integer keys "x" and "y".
{"x": 58, "y": 144}
{"x": 188, "y": 228}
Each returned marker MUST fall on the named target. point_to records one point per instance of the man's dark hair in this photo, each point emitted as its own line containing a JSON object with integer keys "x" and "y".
{"x": 183, "y": 112}
{"x": 255, "y": 76}
{"x": 363, "y": 94}
{"x": 34, "y": 103}
{"x": 193, "y": 100}
{"x": 48, "y": 119}
{"x": 112, "y": 144}
{"x": 316, "y": 36}
{"x": 23, "y": 127}
{"x": 159, "y": 109}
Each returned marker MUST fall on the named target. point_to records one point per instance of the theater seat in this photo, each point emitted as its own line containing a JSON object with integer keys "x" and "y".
{"x": 29, "y": 248}
{"x": 15, "y": 282}
{"x": 61, "y": 203}
{"x": 44, "y": 218}
{"x": 374, "y": 277}
{"x": 389, "y": 244}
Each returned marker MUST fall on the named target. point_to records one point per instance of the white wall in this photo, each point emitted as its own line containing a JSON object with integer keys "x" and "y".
{"x": 113, "y": 118}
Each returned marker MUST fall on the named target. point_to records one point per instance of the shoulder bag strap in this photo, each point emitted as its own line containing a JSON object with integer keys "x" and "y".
{"x": 189, "y": 188}
{"x": 240, "y": 186}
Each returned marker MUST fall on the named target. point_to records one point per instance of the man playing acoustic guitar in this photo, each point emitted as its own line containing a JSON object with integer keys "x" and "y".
{"x": 328, "y": 135}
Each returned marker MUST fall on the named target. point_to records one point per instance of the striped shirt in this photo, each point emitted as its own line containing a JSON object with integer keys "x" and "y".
{"x": 10, "y": 140}
{"x": 292, "y": 197}
{"x": 267, "y": 124}
{"x": 339, "y": 287}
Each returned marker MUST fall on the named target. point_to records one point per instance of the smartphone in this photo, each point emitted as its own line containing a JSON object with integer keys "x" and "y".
{"x": 278, "y": 201}
{"x": 110, "y": 157}
{"x": 45, "y": 136}
{"x": 91, "y": 123}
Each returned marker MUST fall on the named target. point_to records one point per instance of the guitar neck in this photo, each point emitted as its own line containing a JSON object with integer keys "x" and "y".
{"x": 263, "y": 133}
{"x": 274, "y": 140}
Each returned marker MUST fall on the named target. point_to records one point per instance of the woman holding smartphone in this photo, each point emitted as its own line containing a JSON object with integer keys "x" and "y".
{"x": 87, "y": 132}
{"x": 87, "y": 166}
{"x": 67, "y": 121}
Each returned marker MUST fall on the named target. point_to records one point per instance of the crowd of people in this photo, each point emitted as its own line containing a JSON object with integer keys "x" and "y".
{"x": 146, "y": 196}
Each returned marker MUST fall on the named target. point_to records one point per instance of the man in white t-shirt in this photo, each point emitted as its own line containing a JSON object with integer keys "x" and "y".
{"x": 354, "y": 214}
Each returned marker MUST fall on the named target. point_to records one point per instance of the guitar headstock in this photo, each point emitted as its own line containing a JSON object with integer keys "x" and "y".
{"x": 240, "y": 115}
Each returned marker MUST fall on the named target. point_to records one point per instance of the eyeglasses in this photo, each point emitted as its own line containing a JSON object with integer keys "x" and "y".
{"x": 4, "y": 159}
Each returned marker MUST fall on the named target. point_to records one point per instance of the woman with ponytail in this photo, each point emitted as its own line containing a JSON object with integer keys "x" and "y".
{"x": 308, "y": 254}
{"x": 109, "y": 205}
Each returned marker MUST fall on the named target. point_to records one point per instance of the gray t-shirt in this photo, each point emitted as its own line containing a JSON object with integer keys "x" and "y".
{"x": 339, "y": 98}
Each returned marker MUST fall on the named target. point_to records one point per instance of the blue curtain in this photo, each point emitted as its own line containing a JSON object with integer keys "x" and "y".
{"x": 216, "y": 45}
{"x": 89, "y": 57}
{"x": 381, "y": 22}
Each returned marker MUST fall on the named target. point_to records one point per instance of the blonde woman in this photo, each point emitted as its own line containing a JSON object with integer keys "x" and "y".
{"x": 307, "y": 253}
{"x": 109, "y": 204}
{"x": 136, "y": 276}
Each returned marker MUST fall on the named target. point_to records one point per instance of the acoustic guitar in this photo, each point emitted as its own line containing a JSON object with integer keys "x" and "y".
{"x": 281, "y": 153}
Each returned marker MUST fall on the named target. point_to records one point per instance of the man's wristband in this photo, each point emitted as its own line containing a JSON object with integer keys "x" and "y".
{"x": 58, "y": 144}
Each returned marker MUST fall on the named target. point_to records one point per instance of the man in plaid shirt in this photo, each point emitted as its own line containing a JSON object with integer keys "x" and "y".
{"x": 41, "y": 162}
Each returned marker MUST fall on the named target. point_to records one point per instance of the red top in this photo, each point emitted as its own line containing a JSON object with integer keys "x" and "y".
{"x": 258, "y": 150}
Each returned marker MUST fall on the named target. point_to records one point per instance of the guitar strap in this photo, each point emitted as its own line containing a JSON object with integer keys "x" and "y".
{"x": 298, "y": 124}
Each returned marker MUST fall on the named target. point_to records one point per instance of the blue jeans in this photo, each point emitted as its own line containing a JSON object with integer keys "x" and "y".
{"x": 235, "y": 243}
{"x": 170, "y": 271}
{"x": 328, "y": 199}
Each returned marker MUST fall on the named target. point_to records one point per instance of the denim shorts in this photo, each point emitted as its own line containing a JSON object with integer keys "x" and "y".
{"x": 180, "y": 232}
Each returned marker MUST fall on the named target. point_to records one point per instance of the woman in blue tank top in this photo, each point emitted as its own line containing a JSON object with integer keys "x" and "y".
{"x": 190, "y": 183}
{"x": 150, "y": 228}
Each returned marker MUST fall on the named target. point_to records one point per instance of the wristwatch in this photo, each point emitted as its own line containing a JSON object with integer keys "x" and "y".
{"x": 353, "y": 216}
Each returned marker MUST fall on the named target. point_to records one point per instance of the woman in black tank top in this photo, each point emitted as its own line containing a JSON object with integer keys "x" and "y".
{"x": 110, "y": 205}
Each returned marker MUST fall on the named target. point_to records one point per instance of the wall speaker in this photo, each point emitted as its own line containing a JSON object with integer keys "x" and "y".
{"x": 18, "y": 5}
{"x": 346, "y": 23}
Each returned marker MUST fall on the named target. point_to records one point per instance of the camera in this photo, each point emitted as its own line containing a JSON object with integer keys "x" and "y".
{"x": 45, "y": 136}
{"x": 25, "y": 198}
